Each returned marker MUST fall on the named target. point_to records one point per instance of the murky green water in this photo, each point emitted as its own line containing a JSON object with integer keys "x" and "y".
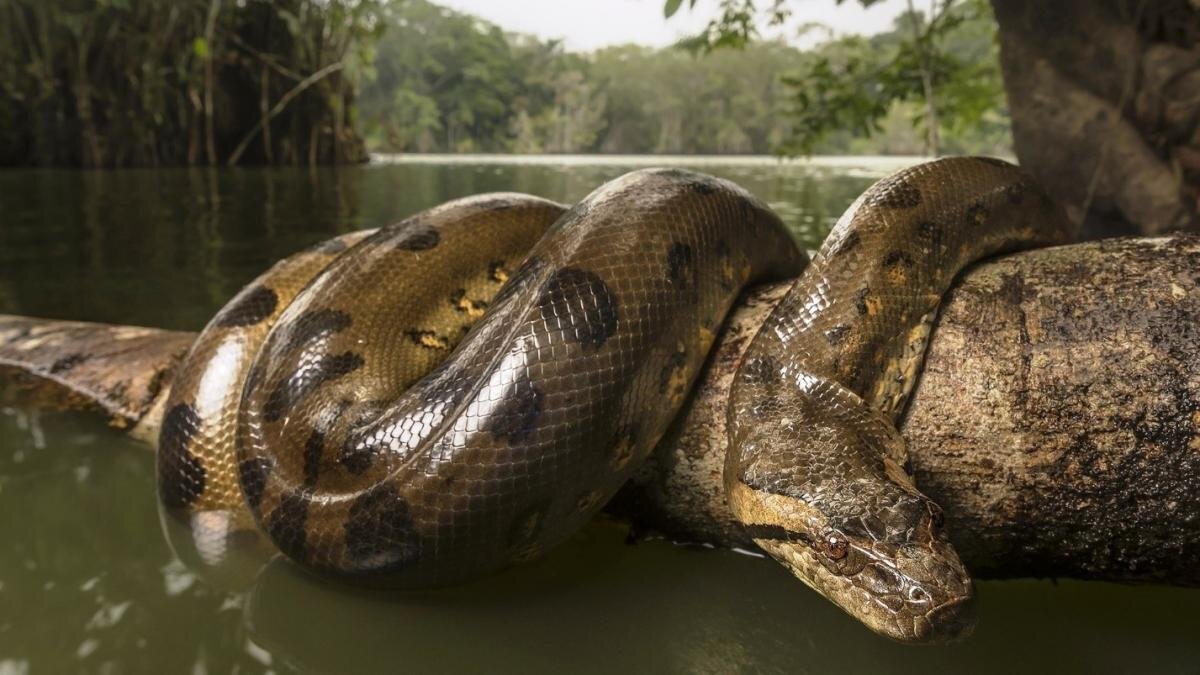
{"x": 88, "y": 584}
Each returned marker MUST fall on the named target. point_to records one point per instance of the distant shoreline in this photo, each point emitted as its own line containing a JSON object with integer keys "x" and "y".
{"x": 873, "y": 162}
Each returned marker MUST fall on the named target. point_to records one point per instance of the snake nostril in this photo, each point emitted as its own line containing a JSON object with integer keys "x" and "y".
{"x": 918, "y": 595}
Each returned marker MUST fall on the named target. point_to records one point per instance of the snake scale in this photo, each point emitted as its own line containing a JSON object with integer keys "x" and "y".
{"x": 440, "y": 398}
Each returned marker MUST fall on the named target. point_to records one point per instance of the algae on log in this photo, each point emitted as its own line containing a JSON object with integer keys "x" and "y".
{"x": 1057, "y": 421}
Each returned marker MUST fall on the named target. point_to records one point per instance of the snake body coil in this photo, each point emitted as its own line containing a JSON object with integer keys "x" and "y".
{"x": 418, "y": 405}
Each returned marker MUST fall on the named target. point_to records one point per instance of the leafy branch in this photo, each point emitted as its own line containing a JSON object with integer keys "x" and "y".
{"x": 852, "y": 84}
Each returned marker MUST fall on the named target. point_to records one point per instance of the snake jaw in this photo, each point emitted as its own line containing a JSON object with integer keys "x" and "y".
{"x": 915, "y": 597}
{"x": 901, "y": 578}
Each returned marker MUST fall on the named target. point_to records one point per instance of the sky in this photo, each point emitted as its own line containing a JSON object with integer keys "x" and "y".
{"x": 586, "y": 25}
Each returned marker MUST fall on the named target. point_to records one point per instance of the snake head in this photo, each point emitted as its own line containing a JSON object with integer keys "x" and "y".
{"x": 893, "y": 570}
{"x": 823, "y": 495}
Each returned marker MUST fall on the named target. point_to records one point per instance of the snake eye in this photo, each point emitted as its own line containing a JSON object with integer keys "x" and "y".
{"x": 835, "y": 546}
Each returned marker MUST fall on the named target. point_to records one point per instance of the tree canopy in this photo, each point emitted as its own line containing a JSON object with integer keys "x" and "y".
{"x": 940, "y": 67}
{"x": 450, "y": 82}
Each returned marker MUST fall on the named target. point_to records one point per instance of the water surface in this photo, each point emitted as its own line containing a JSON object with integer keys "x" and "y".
{"x": 88, "y": 583}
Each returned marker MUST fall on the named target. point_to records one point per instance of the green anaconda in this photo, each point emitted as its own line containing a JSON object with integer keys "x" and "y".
{"x": 461, "y": 390}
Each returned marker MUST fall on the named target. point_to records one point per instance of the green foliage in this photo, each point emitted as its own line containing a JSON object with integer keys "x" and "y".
{"x": 942, "y": 71}
{"x": 449, "y": 82}
{"x": 149, "y": 82}
{"x": 735, "y": 24}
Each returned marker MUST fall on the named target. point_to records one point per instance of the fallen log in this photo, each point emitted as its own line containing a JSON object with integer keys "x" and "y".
{"x": 1057, "y": 421}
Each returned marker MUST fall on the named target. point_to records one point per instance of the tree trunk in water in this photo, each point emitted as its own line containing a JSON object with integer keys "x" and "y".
{"x": 1057, "y": 421}
{"x": 1105, "y": 101}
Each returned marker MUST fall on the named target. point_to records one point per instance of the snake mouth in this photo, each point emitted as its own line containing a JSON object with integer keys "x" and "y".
{"x": 947, "y": 622}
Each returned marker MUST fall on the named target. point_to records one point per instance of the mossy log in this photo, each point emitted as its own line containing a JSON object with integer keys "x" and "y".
{"x": 1057, "y": 421}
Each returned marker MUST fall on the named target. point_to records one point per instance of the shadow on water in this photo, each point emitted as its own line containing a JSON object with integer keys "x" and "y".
{"x": 88, "y": 583}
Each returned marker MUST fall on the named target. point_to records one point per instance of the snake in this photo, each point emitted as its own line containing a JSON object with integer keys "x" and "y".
{"x": 446, "y": 396}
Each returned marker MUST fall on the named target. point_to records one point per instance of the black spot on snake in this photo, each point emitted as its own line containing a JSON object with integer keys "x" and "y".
{"x": 681, "y": 266}
{"x": 762, "y": 369}
{"x": 897, "y": 259}
{"x": 581, "y": 304}
{"x": 417, "y": 237}
{"x": 673, "y": 363}
{"x": 428, "y": 339}
{"x": 252, "y": 474}
{"x": 67, "y": 362}
{"x": 313, "y": 448}
{"x": 836, "y": 335}
{"x": 357, "y": 455}
{"x": 894, "y": 193}
{"x": 316, "y": 324}
{"x": 860, "y": 301}
{"x": 250, "y": 307}
{"x": 927, "y": 228}
{"x": 497, "y": 272}
{"x": 380, "y": 535}
{"x": 846, "y": 244}
{"x": 286, "y": 525}
{"x": 517, "y": 415}
{"x": 181, "y": 476}
{"x": 470, "y": 306}
{"x": 306, "y": 379}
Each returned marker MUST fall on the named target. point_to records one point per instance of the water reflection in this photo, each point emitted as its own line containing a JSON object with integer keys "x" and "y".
{"x": 88, "y": 582}
{"x": 168, "y": 247}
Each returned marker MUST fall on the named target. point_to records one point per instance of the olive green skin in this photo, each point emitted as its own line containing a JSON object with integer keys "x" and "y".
{"x": 197, "y": 462}
{"x": 527, "y": 429}
{"x": 353, "y": 464}
{"x": 816, "y": 467}
{"x": 406, "y": 417}
{"x": 198, "y": 476}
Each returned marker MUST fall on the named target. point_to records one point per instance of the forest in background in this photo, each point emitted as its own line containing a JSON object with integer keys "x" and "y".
{"x": 444, "y": 81}
{"x": 111, "y": 83}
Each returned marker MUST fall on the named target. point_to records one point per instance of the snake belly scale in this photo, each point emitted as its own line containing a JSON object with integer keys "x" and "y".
{"x": 462, "y": 390}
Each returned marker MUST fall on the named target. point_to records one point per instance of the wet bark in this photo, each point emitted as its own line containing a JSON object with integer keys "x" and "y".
{"x": 123, "y": 371}
{"x": 1105, "y": 101}
{"x": 1057, "y": 421}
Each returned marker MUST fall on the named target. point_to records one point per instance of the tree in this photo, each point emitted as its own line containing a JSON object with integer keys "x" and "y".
{"x": 854, "y": 83}
{"x": 146, "y": 82}
{"x": 1104, "y": 97}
